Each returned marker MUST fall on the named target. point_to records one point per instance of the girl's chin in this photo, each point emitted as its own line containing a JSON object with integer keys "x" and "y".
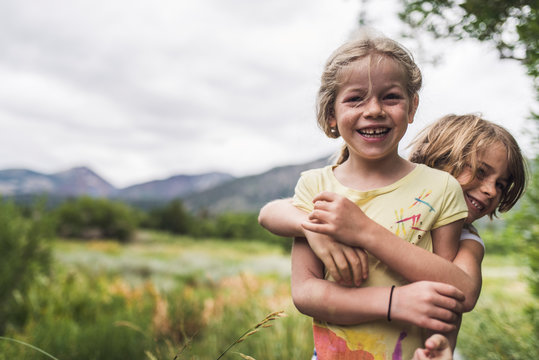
{"x": 472, "y": 216}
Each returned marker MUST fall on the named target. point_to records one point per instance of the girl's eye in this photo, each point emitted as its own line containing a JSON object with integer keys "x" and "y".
{"x": 354, "y": 99}
{"x": 501, "y": 186}
{"x": 481, "y": 173}
{"x": 393, "y": 96}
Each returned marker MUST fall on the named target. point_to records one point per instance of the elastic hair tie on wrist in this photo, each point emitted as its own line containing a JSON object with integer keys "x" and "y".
{"x": 389, "y": 306}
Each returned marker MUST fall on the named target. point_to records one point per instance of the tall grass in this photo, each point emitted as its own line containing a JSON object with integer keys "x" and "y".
{"x": 93, "y": 312}
{"x": 90, "y": 309}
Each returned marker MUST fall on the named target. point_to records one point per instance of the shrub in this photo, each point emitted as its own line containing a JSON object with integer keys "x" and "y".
{"x": 90, "y": 218}
{"x": 173, "y": 217}
{"x": 24, "y": 254}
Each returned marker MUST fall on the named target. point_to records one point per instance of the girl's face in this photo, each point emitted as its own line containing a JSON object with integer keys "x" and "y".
{"x": 484, "y": 191}
{"x": 372, "y": 108}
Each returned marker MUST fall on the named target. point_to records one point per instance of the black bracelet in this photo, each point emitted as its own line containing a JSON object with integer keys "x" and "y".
{"x": 389, "y": 306}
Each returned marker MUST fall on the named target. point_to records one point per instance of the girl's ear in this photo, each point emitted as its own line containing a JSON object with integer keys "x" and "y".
{"x": 332, "y": 122}
{"x": 413, "y": 108}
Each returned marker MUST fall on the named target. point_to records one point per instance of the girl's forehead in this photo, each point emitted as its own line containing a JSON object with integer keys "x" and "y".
{"x": 365, "y": 68}
{"x": 495, "y": 157}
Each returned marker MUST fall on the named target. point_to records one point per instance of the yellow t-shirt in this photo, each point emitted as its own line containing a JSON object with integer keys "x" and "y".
{"x": 423, "y": 200}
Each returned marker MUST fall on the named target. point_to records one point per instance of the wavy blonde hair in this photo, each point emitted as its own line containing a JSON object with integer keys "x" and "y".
{"x": 339, "y": 63}
{"x": 455, "y": 142}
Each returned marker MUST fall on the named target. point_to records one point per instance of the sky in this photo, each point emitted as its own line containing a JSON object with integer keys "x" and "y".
{"x": 144, "y": 90}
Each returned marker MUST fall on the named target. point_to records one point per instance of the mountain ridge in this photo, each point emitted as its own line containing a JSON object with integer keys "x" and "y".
{"x": 213, "y": 192}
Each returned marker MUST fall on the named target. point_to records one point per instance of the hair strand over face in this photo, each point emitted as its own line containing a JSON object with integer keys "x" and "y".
{"x": 339, "y": 63}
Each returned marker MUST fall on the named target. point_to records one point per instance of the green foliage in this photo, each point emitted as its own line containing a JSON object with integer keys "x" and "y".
{"x": 502, "y": 236}
{"x": 511, "y": 25}
{"x": 527, "y": 220}
{"x": 24, "y": 254}
{"x": 498, "y": 334}
{"x": 175, "y": 219}
{"x": 90, "y": 218}
{"x": 78, "y": 315}
{"x": 75, "y": 316}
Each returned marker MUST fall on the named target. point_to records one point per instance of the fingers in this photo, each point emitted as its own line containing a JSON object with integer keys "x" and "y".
{"x": 437, "y": 342}
{"x": 422, "y": 304}
{"x": 364, "y": 258}
{"x": 343, "y": 267}
{"x": 355, "y": 266}
{"x": 325, "y": 196}
{"x": 421, "y": 354}
{"x": 327, "y": 259}
{"x": 449, "y": 290}
{"x": 316, "y": 227}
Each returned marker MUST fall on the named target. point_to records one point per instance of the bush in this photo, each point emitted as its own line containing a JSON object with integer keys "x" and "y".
{"x": 90, "y": 218}
{"x": 176, "y": 219}
{"x": 24, "y": 254}
{"x": 173, "y": 217}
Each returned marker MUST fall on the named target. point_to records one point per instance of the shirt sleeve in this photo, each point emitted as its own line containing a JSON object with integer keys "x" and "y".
{"x": 305, "y": 191}
{"x": 470, "y": 233}
{"x": 454, "y": 206}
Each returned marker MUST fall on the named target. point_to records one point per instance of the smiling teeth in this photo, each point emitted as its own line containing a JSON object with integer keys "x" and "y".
{"x": 374, "y": 132}
{"x": 476, "y": 204}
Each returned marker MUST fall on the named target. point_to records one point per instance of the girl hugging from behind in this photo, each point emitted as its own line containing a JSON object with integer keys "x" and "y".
{"x": 384, "y": 230}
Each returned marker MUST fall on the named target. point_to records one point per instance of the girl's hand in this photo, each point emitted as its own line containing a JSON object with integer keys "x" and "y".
{"x": 347, "y": 265}
{"x": 436, "y": 347}
{"x": 338, "y": 217}
{"x": 428, "y": 304}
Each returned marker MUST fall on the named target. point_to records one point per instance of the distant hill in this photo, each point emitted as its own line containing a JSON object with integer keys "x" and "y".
{"x": 74, "y": 182}
{"x": 173, "y": 187}
{"x": 250, "y": 193}
{"x": 23, "y": 184}
{"x": 213, "y": 192}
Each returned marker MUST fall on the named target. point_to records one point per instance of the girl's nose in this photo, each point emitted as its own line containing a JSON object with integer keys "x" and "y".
{"x": 373, "y": 108}
{"x": 489, "y": 188}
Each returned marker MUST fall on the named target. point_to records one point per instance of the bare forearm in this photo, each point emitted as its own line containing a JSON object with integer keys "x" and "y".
{"x": 418, "y": 264}
{"x": 325, "y": 300}
{"x": 282, "y": 218}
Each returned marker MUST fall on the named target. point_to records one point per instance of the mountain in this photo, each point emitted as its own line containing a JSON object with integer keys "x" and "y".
{"x": 250, "y": 193}
{"x": 74, "y": 182}
{"x": 24, "y": 184}
{"x": 213, "y": 192}
{"x": 173, "y": 187}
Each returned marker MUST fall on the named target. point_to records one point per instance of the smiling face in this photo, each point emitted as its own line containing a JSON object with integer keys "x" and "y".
{"x": 372, "y": 107}
{"x": 484, "y": 191}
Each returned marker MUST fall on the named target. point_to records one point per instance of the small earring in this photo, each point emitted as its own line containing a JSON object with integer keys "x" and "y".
{"x": 333, "y": 131}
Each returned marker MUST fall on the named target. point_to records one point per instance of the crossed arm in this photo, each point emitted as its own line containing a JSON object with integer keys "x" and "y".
{"x": 434, "y": 304}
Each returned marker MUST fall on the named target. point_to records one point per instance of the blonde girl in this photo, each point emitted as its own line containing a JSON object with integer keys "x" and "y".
{"x": 487, "y": 162}
{"x": 368, "y": 96}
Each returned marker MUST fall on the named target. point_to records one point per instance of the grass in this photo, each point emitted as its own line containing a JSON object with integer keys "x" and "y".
{"x": 163, "y": 297}
{"x": 499, "y": 327}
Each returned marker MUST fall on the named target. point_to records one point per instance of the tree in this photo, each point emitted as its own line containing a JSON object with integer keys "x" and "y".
{"x": 88, "y": 218}
{"x": 511, "y": 25}
{"x": 173, "y": 217}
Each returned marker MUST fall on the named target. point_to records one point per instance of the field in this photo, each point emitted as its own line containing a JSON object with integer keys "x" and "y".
{"x": 166, "y": 297}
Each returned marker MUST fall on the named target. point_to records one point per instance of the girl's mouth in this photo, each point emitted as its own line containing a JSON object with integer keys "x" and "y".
{"x": 477, "y": 204}
{"x": 373, "y": 132}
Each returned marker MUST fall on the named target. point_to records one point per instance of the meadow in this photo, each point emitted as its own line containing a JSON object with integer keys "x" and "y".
{"x": 176, "y": 297}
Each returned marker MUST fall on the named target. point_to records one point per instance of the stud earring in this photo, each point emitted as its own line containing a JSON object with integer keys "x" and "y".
{"x": 333, "y": 130}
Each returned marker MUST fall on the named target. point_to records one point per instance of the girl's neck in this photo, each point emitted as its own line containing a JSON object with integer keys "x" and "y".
{"x": 364, "y": 175}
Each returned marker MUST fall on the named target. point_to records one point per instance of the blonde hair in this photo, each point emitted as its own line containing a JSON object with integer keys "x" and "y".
{"x": 455, "y": 142}
{"x": 340, "y": 60}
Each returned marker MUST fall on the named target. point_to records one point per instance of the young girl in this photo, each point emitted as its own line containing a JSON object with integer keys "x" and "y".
{"x": 488, "y": 163}
{"x": 369, "y": 95}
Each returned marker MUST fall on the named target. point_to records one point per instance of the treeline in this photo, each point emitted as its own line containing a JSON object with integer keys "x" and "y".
{"x": 97, "y": 218}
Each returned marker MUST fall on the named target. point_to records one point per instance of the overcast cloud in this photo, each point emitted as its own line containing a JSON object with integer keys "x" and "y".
{"x": 148, "y": 89}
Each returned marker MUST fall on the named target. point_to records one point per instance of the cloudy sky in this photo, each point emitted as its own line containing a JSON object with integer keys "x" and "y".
{"x": 142, "y": 90}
